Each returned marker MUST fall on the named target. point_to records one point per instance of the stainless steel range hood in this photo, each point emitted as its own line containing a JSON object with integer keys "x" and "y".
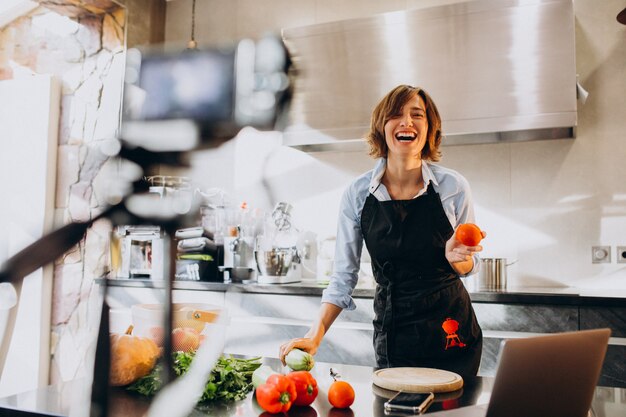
{"x": 499, "y": 70}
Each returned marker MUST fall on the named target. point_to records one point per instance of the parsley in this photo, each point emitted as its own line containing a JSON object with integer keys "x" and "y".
{"x": 230, "y": 379}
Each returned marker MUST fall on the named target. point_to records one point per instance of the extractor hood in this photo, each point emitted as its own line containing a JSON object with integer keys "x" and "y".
{"x": 498, "y": 70}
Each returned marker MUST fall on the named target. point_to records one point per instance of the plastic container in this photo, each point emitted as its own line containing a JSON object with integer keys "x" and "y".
{"x": 197, "y": 270}
{"x": 191, "y": 323}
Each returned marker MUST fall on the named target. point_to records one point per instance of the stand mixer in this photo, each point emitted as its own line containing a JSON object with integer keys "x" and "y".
{"x": 277, "y": 256}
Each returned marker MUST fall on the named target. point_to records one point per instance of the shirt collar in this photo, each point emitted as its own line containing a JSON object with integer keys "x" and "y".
{"x": 427, "y": 175}
{"x": 379, "y": 171}
{"x": 377, "y": 174}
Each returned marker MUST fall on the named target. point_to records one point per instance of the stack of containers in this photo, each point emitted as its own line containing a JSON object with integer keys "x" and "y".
{"x": 197, "y": 257}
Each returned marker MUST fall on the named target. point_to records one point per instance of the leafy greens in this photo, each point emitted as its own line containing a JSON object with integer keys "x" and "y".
{"x": 230, "y": 379}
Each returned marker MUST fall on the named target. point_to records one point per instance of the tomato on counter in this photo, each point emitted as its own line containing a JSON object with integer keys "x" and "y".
{"x": 341, "y": 394}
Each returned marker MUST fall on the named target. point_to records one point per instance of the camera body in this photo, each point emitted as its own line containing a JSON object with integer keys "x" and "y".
{"x": 198, "y": 98}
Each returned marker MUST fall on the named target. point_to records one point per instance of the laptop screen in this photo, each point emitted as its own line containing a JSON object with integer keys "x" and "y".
{"x": 553, "y": 375}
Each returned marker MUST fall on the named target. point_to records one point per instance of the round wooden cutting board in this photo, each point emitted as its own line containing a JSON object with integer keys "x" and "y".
{"x": 417, "y": 380}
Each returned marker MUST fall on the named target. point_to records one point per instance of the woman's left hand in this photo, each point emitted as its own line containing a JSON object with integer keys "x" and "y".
{"x": 460, "y": 255}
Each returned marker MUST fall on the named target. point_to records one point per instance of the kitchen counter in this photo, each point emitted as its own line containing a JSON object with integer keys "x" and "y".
{"x": 73, "y": 398}
{"x": 257, "y": 311}
{"x": 535, "y": 295}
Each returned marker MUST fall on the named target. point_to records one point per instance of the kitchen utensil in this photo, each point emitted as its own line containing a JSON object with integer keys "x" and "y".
{"x": 177, "y": 189}
{"x": 282, "y": 215}
{"x": 278, "y": 265}
{"x": 168, "y": 184}
{"x": 417, "y": 380}
{"x": 277, "y": 255}
{"x": 493, "y": 273}
{"x": 274, "y": 262}
{"x": 441, "y": 396}
{"x": 238, "y": 257}
{"x": 137, "y": 252}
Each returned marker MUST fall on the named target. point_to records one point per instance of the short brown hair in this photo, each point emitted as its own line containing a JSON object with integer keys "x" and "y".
{"x": 391, "y": 105}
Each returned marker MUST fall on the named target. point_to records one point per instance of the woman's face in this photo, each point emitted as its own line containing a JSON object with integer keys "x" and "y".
{"x": 405, "y": 133}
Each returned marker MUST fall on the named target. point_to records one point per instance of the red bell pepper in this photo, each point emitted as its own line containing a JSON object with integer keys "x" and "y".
{"x": 306, "y": 387}
{"x": 277, "y": 394}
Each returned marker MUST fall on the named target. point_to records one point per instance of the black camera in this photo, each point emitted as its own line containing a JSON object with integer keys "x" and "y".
{"x": 198, "y": 98}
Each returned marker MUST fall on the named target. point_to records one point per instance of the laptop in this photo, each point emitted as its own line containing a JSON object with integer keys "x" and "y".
{"x": 545, "y": 376}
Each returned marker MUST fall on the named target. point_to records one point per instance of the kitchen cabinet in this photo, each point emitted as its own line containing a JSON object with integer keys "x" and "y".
{"x": 529, "y": 320}
{"x": 261, "y": 322}
{"x": 503, "y": 321}
{"x": 264, "y": 316}
{"x": 614, "y": 369}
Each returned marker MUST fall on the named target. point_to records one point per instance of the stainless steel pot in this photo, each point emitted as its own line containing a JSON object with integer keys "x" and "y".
{"x": 493, "y": 273}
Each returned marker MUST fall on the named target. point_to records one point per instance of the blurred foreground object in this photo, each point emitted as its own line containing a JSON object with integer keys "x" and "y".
{"x": 174, "y": 102}
{"x": 183, "y": 100}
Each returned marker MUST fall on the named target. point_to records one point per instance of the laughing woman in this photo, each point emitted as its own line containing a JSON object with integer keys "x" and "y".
{"x": 406, "y": 210}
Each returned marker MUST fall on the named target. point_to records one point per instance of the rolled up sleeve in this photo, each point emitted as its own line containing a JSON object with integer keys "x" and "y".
{"x": 465, "y": 214}
{"x": 349, "y": 245}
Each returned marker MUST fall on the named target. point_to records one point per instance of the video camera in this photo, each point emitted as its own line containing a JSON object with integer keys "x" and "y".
{"x": 199, "y": 98}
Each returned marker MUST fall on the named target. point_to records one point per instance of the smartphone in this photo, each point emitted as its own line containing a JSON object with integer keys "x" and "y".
{"x": 408, "y": 402}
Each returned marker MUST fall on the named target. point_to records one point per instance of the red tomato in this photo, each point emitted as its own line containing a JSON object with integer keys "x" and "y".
{"x": 277, "y": 394}
{"x": 341, "y": 394}
{"x": 306, "y": 387}
{"x": 469, "y": 234}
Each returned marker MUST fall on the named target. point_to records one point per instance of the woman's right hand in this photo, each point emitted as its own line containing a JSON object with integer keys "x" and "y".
{"x": 306, "y": 344}
{"x": 312, "y": 339}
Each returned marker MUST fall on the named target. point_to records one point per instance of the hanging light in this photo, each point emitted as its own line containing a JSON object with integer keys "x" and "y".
{"x": 192, "y": 44}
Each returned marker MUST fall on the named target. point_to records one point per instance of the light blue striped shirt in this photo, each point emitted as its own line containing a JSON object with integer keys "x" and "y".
{"x": 456, "y": 199}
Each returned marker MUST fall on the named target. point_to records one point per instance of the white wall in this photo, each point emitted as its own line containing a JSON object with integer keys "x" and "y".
{"x": 29, "y": 120}
{"x": 544, "y": 203}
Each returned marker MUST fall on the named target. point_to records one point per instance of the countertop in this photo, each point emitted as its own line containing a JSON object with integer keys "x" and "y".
{"x": 72, "y": 398}
{"x": 534, "y": 295}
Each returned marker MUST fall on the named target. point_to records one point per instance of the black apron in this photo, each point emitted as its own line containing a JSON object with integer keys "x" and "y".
{"x": 423, "y": 315}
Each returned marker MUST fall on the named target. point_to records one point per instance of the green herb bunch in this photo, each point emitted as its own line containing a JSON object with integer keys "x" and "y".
{"x": 230, "y": 379}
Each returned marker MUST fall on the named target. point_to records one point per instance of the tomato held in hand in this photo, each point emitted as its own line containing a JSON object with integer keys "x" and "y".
{"x": 341, "y": 394}
{"x": 306, "y": 387}
{"x": 469, "y": 234}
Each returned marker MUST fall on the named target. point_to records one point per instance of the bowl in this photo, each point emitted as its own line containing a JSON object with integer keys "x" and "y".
{"x": 275, "y": 262}
{"x": 190, "y": 323}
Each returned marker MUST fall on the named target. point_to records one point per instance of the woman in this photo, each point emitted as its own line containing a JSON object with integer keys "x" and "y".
{"x": 406, "y": 210}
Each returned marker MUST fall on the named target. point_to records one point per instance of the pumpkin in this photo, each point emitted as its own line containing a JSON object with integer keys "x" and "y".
{"x": 131, "y": 357}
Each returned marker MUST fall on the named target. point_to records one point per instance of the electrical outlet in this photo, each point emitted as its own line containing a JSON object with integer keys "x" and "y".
{"x": 601, "y": 254}
{"x": 621, "y": 254}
